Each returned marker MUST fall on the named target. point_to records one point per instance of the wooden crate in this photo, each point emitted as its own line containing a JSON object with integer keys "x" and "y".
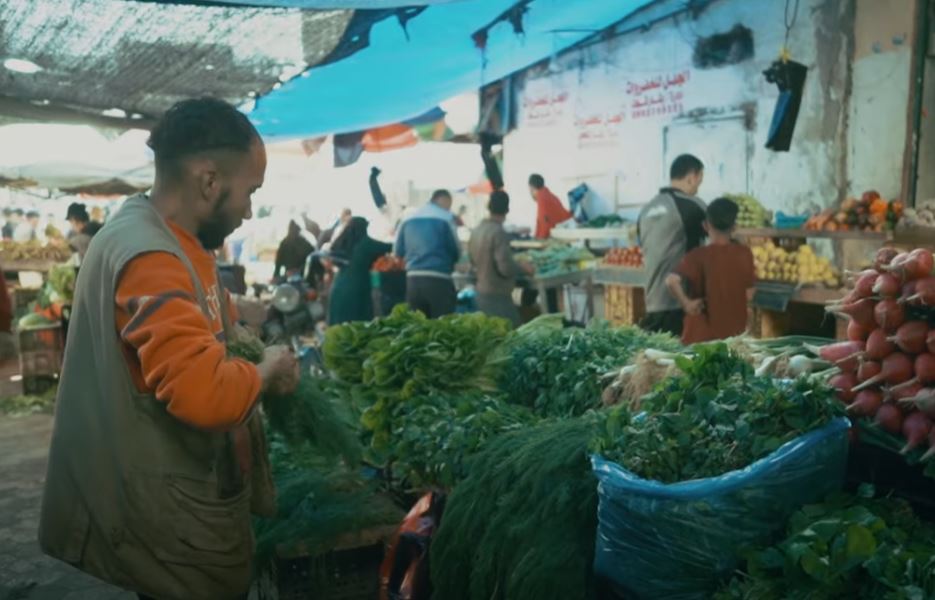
{"x": 624, "y": 305}
{"x": 40, "y": 357}
{"x": 349, "y": 570}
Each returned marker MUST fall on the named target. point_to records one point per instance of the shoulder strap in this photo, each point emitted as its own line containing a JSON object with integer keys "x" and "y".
{"x": 222, "y": 301}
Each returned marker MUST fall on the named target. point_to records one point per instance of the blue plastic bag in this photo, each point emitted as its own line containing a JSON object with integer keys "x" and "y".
{"x": 678, "y": 541}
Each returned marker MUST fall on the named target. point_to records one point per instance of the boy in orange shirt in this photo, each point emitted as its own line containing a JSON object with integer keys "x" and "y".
{"x": 714, "y": 283}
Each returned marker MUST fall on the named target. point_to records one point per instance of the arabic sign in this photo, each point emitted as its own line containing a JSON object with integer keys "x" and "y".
{"x": 659, "y": 96}
{"x": 600, "y": 111}
{"x": 546, "y": 102}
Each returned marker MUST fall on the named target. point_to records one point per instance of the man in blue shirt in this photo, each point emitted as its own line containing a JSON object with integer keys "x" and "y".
{"x": 428, "y": 243}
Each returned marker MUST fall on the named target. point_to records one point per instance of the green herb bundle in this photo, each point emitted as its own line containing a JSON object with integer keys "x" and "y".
{"x": 558, "y": 372}
{"x": 315, "y": 415}
{"x": 408, "y": 352}
{"x": 405, "y": 357}
{"x": 433, "y": 438}
{"x": 715, "y": 417}
{"x": 521, "y": 526}
{"x": 317, "y": 501}
{"x": 847, "y": 547}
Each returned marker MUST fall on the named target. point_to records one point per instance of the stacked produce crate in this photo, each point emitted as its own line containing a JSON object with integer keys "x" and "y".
{"x": 624, "y": 305}
{"x": 40, "y": 357}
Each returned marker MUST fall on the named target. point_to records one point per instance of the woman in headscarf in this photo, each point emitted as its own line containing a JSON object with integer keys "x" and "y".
{"x": 82, "y": 228}
{"x": 353, "y": 252}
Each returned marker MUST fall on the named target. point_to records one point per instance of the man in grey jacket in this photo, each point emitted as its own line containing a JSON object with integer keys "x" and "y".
{"x": 494, "y": 264}
{"x": 670, "y": 225}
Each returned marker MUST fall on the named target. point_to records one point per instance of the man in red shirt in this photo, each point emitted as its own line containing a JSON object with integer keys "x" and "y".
{"x": 551, "y": 211}
{"x": 714, "y": 283}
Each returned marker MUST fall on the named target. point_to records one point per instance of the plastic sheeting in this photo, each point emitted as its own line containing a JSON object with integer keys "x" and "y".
{"x": 405, "y": 73}
{"x": 73, "y": 156}
{"x": 677, "y": 541}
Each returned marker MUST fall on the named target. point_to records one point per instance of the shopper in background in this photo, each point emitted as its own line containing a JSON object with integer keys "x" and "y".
{"x": 353, "y": 253}
{"x": 714, "y": 283}
{"x": 157, "y": 457}
{"x": 550, "y": 211}
{"x": 292, "y": 254}
{"x": 669, "y": 226}
{"x": 428, "y": 243}
{"x": 329, "y": 235}
{"x": 82, "y": 228}
{"x": 28, "y": 230}
{"x": 460, "y": 218}
{"x": 11, "y": 218}
{"x": 494, "y": 264}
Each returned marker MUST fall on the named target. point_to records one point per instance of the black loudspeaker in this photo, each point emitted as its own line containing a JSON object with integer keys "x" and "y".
{"x": 789, "y": 76}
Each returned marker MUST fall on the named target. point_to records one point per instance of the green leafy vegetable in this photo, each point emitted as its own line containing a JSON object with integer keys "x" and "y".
{"x": 405, "y": 357}
{"x": 556, "y": 259}
{"x": 715, "y": 416}
{"x": 558, "y": 372}
{"x": 847, "y": 547}
{"x": 317, "y": 501}
{"x": 521, "y": 526}
{"x": 433, "y": 439}
{"x": 22, "y": 405}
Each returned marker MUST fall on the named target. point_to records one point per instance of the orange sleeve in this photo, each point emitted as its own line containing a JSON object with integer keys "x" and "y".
{"x": 180, "y": 357}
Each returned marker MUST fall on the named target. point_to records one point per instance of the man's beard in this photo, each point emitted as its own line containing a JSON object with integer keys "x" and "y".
{"x": 215, "y": 230}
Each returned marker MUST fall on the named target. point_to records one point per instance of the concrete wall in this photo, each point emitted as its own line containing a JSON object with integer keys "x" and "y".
{"x": 879, "y": 106}
{"x": 583, "y": 119}
{"x": 926, "y": 174}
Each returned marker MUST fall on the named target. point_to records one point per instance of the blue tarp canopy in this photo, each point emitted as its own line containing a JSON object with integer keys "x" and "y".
{"x": 333, "y": 4}
{"x": 404, "y": 73}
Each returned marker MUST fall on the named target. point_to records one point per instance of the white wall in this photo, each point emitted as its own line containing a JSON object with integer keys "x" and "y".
{"x": 881, "y": 92}
{"x": 839, "y": 147}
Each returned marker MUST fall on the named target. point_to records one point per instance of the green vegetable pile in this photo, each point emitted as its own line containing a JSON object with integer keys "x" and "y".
{"x": 33, "y": 320}
{"x": 406, "y": 362}
{"x": 556, "y": 259}
{"x": 317, "y": 500}
{"x": 714, "y": 417}
{"x": 432, "y": 438}
{"x": 521, "y": 526}
{"x": 847, "y": 547}
{"x": 61, "y": 282}
{"x": 605, "y": 221}
{"x": 408, "y": 353}
{"x": 23, "y": 405}
{"x": 317, "y": 414}
{"x": 558, "y": 372}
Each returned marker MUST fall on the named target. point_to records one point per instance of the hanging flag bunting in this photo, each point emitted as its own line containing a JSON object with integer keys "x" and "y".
{"x": 434, "y": 132}
{"x": 347, "y": 148}
{"x": 389, "y": 137}
{"x": 313, "y": 145}
{"x": 430, "y": 117}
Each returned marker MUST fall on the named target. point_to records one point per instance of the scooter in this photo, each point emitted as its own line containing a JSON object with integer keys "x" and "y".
{"x": 294, "y": 311}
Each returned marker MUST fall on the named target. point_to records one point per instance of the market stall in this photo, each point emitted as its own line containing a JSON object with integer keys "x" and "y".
{"x": 518, "y": 428}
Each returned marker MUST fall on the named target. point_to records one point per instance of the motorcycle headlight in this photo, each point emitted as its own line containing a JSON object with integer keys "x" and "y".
{"x": 286, "y": 299}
